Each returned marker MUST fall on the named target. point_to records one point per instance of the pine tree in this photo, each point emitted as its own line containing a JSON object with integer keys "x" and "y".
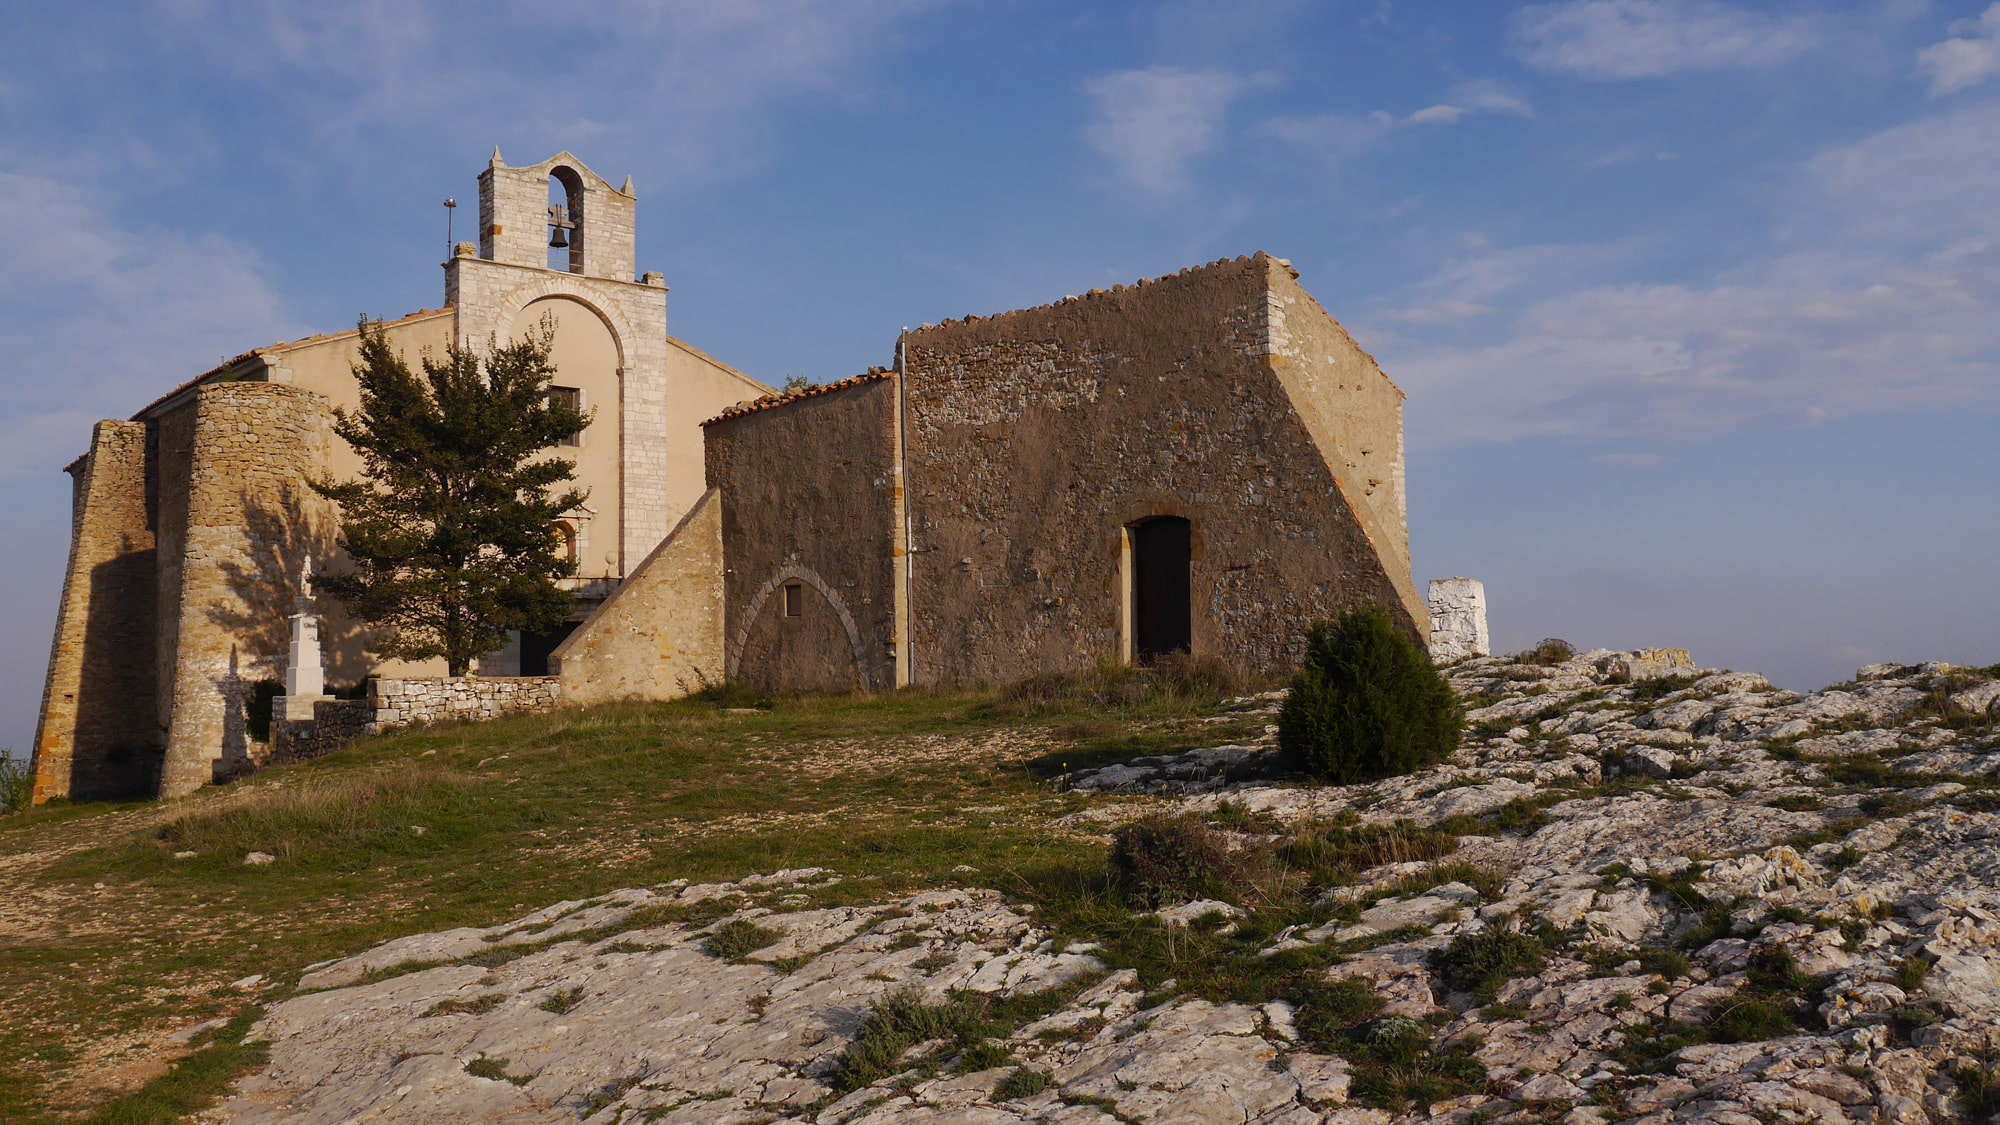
{"x": 451, "y": 528}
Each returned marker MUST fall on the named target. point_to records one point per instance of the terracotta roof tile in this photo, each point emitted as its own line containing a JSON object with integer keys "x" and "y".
{"x": 772, "y": 402}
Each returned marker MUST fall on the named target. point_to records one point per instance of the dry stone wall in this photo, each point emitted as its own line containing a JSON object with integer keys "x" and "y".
{"x": 402, "y": 703}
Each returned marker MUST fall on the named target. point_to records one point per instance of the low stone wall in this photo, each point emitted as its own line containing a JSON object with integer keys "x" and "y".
{"x": 335, "y": 723}
{"x": 400, "y": 703}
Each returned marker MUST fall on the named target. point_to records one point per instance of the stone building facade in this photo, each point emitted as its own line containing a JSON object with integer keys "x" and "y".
{"x": 193, "y": 524}
{"x": 1204, "y": 462}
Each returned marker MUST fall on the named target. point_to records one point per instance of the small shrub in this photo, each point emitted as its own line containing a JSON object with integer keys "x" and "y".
{"x": 738, "y": 938}
{"x": 1747, "y": 1021}
{"x": 17, "y": 782}
{"x": 1669, "y": 963}
{"x": 898, "y": 1021}
{"x": 1162, "y": 860}
{"x": 1398, "y": 1040}
{"x": 1367, "y": 704}
{"x": 983, "y": 1055}
{"x": 483, "y": 1067}
{"x": 1911, "y": 973}
{"x": 561, "y": 1003}
{"x": 1481, "y": 962}
{"x": 1547, "y": 651}
{"x": 1023, "y": 1083}
{"x": 478, "y": 1007}
{"x": 1325, "y": 1014}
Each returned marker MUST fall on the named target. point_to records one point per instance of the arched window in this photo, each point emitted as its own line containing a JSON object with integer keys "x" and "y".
{"x": 566, "y": 544}
{"x": 565, "y": 220}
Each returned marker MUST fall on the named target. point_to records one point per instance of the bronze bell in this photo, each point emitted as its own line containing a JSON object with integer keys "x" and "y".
{"x": 559, "y": 239}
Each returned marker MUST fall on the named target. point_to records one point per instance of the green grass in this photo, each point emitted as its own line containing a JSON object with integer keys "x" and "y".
{"x": 518, "y": 813}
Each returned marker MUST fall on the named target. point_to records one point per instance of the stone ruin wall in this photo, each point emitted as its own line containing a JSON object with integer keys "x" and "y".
{"x": 97, "y": 737}
{"x": 808, "y": 496}
{"x": 1035, "y": 436}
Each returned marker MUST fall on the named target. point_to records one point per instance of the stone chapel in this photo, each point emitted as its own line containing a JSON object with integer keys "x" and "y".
{"x": 1202, "y": 463}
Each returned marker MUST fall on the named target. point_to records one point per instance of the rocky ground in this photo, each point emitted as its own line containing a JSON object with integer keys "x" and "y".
{"x": 1676, "y": 895}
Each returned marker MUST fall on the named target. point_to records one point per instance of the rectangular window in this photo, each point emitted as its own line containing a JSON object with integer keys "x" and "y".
{"x": 572, "y": 398}
{"x": 795, "y": 599}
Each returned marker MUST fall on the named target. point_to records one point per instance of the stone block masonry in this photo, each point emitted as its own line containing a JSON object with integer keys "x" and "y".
{"x": 402, "y": 703}
{"x": 97, "y": 737}
{"x": 1458, "y": 619}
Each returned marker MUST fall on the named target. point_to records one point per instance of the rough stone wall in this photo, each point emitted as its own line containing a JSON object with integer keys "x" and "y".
{"x": 250, "y": 523}
{"x": 808, "y": 497}
{"x": 1458, "y": 619}
{"x": 335, "y": 723}
{"x": 96, "y": 736}
{"x": 1035, "y": 437}
{"x": 660, "y": 635}
{"x": 401, "y": 703}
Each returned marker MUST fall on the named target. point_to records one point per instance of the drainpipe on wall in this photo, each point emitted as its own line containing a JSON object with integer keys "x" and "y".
{"x": 904, "y": 647}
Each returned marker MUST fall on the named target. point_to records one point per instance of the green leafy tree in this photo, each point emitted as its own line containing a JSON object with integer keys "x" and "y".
{"x": 452, "y": 526}
{"x": 1367, "y": 703}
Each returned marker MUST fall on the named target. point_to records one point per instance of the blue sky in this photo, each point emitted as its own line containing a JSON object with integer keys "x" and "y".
{"x": 1694, "y": 301}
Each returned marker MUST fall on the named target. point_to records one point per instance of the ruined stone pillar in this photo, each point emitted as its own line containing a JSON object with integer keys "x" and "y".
{"x": 1458, "y": 619}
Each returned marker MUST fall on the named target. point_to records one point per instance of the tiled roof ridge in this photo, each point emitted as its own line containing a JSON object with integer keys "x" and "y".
{"x": 1241, "y": 259}
{"x": 772, "y": 402}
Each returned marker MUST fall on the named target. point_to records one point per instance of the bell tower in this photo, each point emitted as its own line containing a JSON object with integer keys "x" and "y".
{"x": 559, "y": 204}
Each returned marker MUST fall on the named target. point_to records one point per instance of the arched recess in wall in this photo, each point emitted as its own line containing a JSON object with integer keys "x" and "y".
{"x": 804, "y": 576}
{"x": 566, "y": 203}
{"x": 586, "y": 360}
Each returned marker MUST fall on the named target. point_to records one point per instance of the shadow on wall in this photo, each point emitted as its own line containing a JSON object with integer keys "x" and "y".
{"x": 265, "y": 584}
{"x": 120, "y": 745}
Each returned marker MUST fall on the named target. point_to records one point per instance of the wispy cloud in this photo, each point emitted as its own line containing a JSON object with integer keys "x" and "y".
{"x": 1877, "y": 297}
{"x": 96, "y": 319}
{"x": 1152, "y": 124}
{"x": 1968, "y": 58}
{"x": 1625, "y": 39}
{"x": 1337, "y": 134}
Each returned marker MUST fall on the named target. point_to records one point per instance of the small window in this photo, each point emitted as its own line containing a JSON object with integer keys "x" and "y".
{"x": 572, "y": 398}
{"x": 566, "y": 545}
{"x": 795, "y": 599}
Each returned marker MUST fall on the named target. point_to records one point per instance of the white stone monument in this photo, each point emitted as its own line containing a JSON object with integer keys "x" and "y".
{"x": 305, "y": 672}
{"x": 1458, "y": 619}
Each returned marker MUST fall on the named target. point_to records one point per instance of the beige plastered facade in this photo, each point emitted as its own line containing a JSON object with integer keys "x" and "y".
{"x": 193, "y": 521}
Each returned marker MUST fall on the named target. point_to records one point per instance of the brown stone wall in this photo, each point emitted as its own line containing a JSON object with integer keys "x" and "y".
{"x": 96, "y": 736}
{"x": 1035, "y": 437}
{"x": 660, "y": 635}
{"x": 808, "y": 496}
{"x": 250, "y": 523}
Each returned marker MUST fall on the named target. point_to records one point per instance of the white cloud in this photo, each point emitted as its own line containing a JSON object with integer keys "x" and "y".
{"x": 686, "y": 82}
{"x": 1624, "y": 39}
{"x": 1153, "y": 123}
{"x": 1876, "y": 296}
{"x": 96, "y": 320}
{"x": 1967, "y": 59}
{"x": 1337, "y": 134}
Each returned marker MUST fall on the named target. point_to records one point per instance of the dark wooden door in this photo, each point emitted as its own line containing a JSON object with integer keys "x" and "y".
{"x": 536, "y": 648}
{"x": 1162, "y": 550}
